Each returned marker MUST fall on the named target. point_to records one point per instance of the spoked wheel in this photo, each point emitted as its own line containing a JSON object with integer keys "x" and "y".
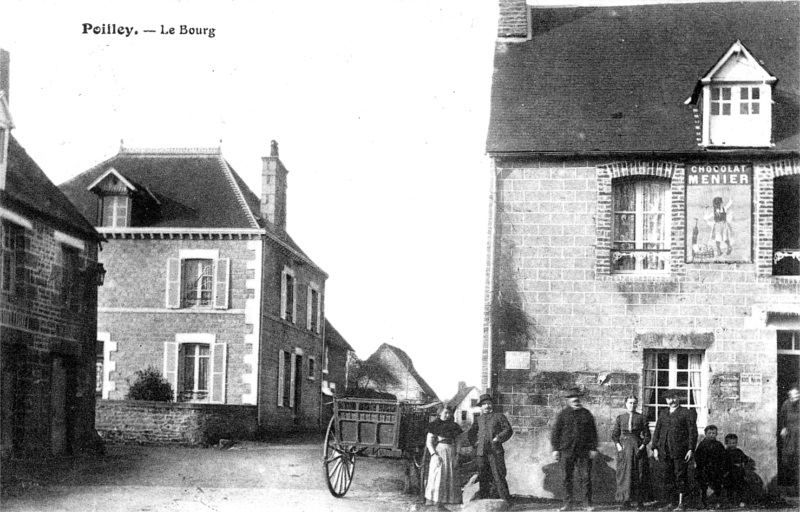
{"x": 338, "y": 463}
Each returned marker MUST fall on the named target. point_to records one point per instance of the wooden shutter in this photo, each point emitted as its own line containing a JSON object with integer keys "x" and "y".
{"x": 219, "y": 353}
{"x": 293, "y": 377}
{"x": 281, "y": 369}
{"x": 171, "y": 366}
{"x": 173, "y": 283}
{"x": 221, "y": 283}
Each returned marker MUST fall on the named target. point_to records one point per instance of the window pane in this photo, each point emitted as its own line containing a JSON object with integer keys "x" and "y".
{"x": 202, "y": 375}
{"x": 663, "y": 379}
{"x": 715, "y": 93}
{"x": 756, "y": 93}
{"x": 715, "y": 109}
{"x": 726, "y": 109}
{"x": 682, "y": 379}
{"x": 744, "y": 109}
{"x": 683, "y": 361}
{"x": 654, "y": 227}
{"x": 188, "y": 368}
{"x": 663, "y": 361}
{"x": 624, "y": 226}
{"x": 108, "y": 211}
{"x": 755, "y": 109}
{"x": 726, "y": 93}
{"x": 743, "y": 91}
{"x": 624, "y": 197}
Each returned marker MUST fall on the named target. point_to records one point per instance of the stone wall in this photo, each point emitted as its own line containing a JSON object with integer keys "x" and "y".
{"x": 553, "y": 296}
{"x": 165, "y": 423}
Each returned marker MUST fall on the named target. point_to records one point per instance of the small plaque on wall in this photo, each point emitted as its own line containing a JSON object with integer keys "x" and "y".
{"x": 518, "y": 360}
{"x": 750, "y": 387}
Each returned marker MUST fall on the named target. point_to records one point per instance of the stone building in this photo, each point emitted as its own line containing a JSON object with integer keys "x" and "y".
{"x": 48, "y": 306}
{"x": 465, "y": 405}
{"x": 645, "y": 225}
{"x": 205, "y": 284}
{"x": 337, "y": 353}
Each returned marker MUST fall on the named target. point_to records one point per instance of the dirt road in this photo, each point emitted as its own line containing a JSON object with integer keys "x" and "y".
{"x": 246, "y": 477}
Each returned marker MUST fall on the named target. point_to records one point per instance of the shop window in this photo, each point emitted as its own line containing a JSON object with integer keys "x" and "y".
{"x": 672, "y": 369}
{"x": 786, "y": 226}
{"x": 641, "y": 225}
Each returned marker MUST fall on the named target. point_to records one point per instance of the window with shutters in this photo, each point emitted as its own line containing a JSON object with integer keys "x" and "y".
{"x": 13, "y": 265}
{"x": 198, "y": 279}
{"x": 193, "y": 369}
{"x": 313, "y": 309}
{"x": 196, "y": 366}
{"x": 288, "y": 294}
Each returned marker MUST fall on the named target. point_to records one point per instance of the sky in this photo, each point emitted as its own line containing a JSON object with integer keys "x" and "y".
{"x": 380, "y": 109}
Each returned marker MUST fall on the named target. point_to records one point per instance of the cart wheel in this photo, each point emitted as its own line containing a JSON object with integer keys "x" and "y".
{"x": 337, "y": 462}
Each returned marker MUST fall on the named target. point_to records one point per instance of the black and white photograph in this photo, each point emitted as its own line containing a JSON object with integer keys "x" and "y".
{"x": 399, "y": 255}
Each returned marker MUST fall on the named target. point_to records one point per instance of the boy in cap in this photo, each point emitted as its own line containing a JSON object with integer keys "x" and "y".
{"x": 574, "y": 441}
{"x": 488, "y": 433}
{"x": 710, "y": 460}
{"x": 674, "y": 442}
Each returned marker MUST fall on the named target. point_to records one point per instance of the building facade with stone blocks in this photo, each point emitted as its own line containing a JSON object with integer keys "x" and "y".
{"x": 644, "y": 232}
{"x": 48, "y": 307}
{"x": 205, "y": 284}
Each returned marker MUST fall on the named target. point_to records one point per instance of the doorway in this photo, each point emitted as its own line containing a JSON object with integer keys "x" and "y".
{"x": 788, "y": 375}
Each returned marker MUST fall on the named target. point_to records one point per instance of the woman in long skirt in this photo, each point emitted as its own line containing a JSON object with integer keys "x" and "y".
{"x": 442, "y": 438}
{"x": 631, "y": 434}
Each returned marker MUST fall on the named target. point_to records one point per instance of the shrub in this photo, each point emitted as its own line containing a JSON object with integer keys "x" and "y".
{"x": 150, "y": 385}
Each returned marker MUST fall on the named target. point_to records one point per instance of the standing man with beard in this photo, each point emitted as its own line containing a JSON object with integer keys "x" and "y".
{"x": 574, "y": 440}
{"x": 488, "y": 433}
{"x": 674, "y": 442}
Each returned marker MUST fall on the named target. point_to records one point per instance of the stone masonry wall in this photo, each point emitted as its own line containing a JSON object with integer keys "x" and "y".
{"x": 40, "y": 328}
{"x": 164, "y": 423}
{"x": 591, "y": 329}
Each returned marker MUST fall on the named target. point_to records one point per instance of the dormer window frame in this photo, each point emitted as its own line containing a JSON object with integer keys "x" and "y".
{"x": 119, "y": 207}
{"x": 736, "y": 102}
{"x": 117, "y": 198}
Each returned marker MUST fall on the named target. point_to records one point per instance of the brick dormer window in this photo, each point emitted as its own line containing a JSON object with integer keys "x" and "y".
{"x": 736, "y": 101}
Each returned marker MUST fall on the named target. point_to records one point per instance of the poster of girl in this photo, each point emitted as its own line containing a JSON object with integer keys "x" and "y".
{"x": 718, "y": 219}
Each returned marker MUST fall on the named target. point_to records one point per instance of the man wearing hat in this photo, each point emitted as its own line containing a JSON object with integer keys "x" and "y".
{"x": 674, "y": 441}
{"x": 488, "y": 433}
{"x": 574, "y": 441}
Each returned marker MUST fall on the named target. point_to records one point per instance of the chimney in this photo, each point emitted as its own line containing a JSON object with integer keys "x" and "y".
{"x": 6, "y": 123}
{"x": 461, "y": 385}
{"x": 513, "y": 19}
{"x": 273, "y": 189}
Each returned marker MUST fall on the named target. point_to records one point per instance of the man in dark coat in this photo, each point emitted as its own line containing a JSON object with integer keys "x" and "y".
{"x": 574, "y": 441}
{"x": 488, "y": 433}
{"x": 674, "y": 442}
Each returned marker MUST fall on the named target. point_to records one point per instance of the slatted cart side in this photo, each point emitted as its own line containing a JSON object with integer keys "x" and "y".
{"x": 367, "y": 423}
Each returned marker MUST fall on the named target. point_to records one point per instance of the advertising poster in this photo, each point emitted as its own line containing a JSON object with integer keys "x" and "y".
{"x": 719, "y": 212}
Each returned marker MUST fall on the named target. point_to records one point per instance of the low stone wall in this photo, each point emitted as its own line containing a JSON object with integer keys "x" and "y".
{"x": 164, "y": 423}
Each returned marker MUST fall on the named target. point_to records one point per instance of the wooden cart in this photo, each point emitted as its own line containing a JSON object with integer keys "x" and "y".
{"x": 377, "y": 427}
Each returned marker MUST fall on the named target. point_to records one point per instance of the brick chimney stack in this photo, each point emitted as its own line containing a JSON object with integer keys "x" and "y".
{"x": 513, "y": 19}
{"x": 6, "y": 124}
{"x": 273, "y": 189}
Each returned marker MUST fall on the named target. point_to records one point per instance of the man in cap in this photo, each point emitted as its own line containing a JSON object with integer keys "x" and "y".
{"x": 574, "y": 441}
{"x": 488, "y": 433}
{"x": 674, "y": 441}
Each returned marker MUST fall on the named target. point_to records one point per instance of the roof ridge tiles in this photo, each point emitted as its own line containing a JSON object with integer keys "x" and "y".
{"x": 171, "y": 151}
{"x": 236, "y": 190}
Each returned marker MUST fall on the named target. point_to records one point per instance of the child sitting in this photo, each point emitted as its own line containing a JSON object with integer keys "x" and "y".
{"x": 737, "y": 463}
{"x": 710, "y": 457}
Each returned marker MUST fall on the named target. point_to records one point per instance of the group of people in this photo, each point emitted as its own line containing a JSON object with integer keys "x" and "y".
{"x": 574, "y": 441}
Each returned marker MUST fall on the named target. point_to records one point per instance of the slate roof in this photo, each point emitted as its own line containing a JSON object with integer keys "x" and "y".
{"x": 196, "y": 188}
{"x": 28, "y": 188}
{"x": 334, "y": 339}
{"x": 615, "y": 79}
{"x": 409, "y": 366}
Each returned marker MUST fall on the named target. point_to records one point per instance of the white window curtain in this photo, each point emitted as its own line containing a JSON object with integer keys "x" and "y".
{"x": 695, "y": 379}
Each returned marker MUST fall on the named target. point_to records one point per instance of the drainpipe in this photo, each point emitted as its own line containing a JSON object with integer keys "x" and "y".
{"x": 491, "y": 278}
